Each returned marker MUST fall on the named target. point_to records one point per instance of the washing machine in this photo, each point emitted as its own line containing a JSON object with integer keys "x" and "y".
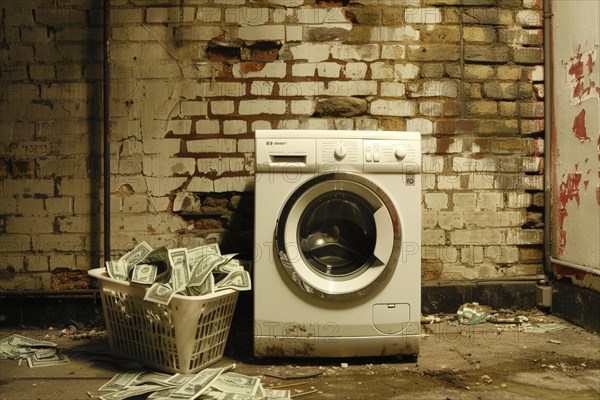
{"x": 337, "y": 263}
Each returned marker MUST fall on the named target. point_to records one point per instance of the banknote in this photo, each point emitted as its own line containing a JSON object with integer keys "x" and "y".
{"x": 160, "y": 293}
{"x": 117, "y": 270}
{"x": 35, "y": 360}
{"x": 197, "y": 385}
{"x": 238, "y": 280}
{"x": 133, "y": 391}
{"x": 144, "y": 274}
{"x": 232, "y": 382}
{"x": 204, "y": 266}
{"x": 207, "y": 287}
{"x": 121, "y": 380}
{"x": 197, "y": 252}
{"x": 136, "y": 255}
{"x": 179, "y": 268}
{"x": 160, "y": 258}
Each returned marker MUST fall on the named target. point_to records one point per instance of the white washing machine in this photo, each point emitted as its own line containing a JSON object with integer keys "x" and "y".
{"x": 337, "y": 268}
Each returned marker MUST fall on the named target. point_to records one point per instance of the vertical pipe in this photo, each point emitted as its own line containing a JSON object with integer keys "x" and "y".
{"x": 548, "y": 98}
{"x": 106, "y": 120}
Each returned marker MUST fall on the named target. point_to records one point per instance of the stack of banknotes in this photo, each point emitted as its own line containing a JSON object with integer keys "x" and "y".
{"x": 210, "y": 383}
{"x": 37, "y": 353}
{"x": 193, "y": 272}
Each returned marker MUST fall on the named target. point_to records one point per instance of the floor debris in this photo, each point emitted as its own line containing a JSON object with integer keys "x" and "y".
{"x": 36, "y": 353}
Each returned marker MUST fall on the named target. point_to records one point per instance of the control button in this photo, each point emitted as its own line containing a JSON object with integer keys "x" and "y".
{"x": 399, "y": 153}
{"x": 340, "y": 151}
{"x": 376, "y": 157}
{"x": 368, "y": 157}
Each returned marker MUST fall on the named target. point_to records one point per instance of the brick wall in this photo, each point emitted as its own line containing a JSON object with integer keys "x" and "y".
{"x": 191, "y": 84}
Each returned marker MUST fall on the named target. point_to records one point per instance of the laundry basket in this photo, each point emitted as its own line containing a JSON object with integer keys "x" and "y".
{"x": 185, "y": 336}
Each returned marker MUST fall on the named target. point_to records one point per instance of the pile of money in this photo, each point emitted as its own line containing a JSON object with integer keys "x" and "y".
{"x": 193, "y": 272}
{"x": 209, "y": 384}
{"x": 37, "y": 353}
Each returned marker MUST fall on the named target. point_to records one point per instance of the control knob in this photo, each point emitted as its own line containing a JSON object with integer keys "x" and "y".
{"x": 399, "y": 153}
{"x": 340, "y": 151}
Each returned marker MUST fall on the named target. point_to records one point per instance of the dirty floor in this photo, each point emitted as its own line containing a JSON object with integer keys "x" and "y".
{"x": 485, "y": 361}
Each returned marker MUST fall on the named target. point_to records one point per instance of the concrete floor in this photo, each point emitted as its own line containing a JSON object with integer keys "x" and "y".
{"x": 451, "y": 364}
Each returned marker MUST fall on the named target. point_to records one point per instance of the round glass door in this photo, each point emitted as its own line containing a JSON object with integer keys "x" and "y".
{"x": 338, "y": 236}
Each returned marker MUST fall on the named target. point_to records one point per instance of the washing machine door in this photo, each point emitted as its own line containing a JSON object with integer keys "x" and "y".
{"x": 338, "y": 236}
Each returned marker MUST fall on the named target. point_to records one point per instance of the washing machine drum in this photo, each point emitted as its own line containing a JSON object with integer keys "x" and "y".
{"x": 338, "y": 236}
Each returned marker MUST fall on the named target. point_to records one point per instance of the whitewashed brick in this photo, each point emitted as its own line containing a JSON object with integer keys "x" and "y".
{"x": 67, "y": 242}
{"x": 180, "y": 126}
{"x": 30, "y": 207}
{"x": 466, "y": 164}
{"x": 393, "y": 52}
{"x": 433, "y": 164}
{"x": 502, "y": 254}
{"x": 247, "y": 16}
{"x": 428, "y": 221}
{"x": 433, "y": 237}
{"x": 234, "y": 127}
{"x": 315, "y": 123}
{"x": 464, "y": 201}
{"x": 427, "y": 181}
{"x": 351, "y": 88}
{"x": 430, "y": 108}
{"x": 406, "y": 71}
{"x": 233, "y": 184}
{"x": 436, "y": 201}
{"x": 518, "y": 200}
{"x": 302, "y": 107}
{"x": 201, "y": 184}
{"x": 449, "y": 220}
{"x": 365, "y": 52}
{"x": 301, "y": 88}
{"x": 261, "y": 88}
{"x": 218, "y": 166}
{"x": 529, "y": 18}
{"x": 222, "y": 107}
{"x": 381, "y": 70}
{"x": 304, "y": 69}
{"x": 220, "y": 89}
{"x": 135, "y": 204}
{"x": 392, "y": 89}
{"x": 36, "y": 263}
{"x": 20, "y": 187}
{"x": 255, "y": 107}
{"x": 389, "y": 34}
{"x": 320, "y": 15}
{"x": 161, "y": 186}
{"x": 344, "y": 124}
{"x": 293, "y": 33}
{"x": 484, "y": 219}
{"x": 310, "y": 52}
{"x": 366, "y": 124}
{"x": 533, "y": 182}
{"x": 537, "y": 74}
{"x": 428, "y": 15}
{"x": 16, "y": 243}
{"x": 207, "y": 127}
{"x": 525, "y": 236}
{"x": 398, "y": 108}
{"x": 159, "y": 204}
{"x": 266, "y": 32}
{"x": 448, "y": 182}
{"x": 247, "y": 145}
{"x": 269, "y": 70}
{"x": 355, "y": 70}
{"x": 165, "y": 146}
{"x": 162, "y": 166}
{"x": 471, "y": 255}
{"x": 328, "y": 70}
{"x": 169, "y": 14}
{"x": 490, "y": 201}
{"x": 256, "y": 125}
{"x": 422, "y": 125}
{"x": 193, "y": 108}
{"x": 481, "y": 181}
{"x": 212, "y": 146}
{"x": 477, "y": 236}
{"x": 208, "y": 14}
{"x": 59, "y": 205}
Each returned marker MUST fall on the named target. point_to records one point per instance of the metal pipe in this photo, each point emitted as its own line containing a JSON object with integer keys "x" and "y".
{"x": 548, "y": 91}
{"x": 106, "y": 120}
{"x": 578, "y": 267}
{"x": 70, "y": 294}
